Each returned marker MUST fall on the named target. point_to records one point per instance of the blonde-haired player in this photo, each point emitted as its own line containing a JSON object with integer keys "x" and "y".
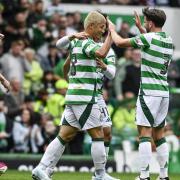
{"x": 81, "y": 111}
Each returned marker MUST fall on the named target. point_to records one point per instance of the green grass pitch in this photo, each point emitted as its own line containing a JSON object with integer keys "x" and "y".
{"x": 16, "y": 175}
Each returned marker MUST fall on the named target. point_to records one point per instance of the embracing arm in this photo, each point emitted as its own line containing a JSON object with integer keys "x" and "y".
{"x": 65, "y": 41}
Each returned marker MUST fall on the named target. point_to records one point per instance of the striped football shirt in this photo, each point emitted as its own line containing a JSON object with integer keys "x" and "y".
{"x": 83, "y": 75}
{"x": 156, "y": 54}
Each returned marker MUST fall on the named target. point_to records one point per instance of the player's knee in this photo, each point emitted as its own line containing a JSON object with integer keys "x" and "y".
{"x": 67, "y": 138}
{"x": 96, "y": 132}
{"x": 107, "y": 136}
{"x": 145, "y": 131}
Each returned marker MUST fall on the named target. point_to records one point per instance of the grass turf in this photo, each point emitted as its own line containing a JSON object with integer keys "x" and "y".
{"x": 16, "y": 175}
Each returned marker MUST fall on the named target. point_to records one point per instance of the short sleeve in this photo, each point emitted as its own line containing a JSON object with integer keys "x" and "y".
{"x": 141, "y": 41}
{"x": 89, "y": 48}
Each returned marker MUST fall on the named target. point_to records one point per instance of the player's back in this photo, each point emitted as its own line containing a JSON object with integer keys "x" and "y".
{"x": 156, "y": 57}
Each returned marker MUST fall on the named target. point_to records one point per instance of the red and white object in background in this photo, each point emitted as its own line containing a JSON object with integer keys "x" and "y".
{"x": 3, "y": 168}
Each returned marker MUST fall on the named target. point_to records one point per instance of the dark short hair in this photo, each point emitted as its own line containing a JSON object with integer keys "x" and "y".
{"x": 157, "y": 16}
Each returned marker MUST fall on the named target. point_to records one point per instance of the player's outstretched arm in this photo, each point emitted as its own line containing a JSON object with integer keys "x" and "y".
{"x": 138, "y": 23}
{"x": 117, "y": 39}
{"x": 64, "y": 42}
{"x": 5, "y": 82}
{"x": 66, "y": 67}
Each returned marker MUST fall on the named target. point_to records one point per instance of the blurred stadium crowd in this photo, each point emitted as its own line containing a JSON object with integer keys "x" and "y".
{"x": 30, "y": 113}
{"x": 172, "y": 3}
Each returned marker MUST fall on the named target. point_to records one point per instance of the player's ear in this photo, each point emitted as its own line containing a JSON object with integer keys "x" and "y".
{"x": 150, "y": 24}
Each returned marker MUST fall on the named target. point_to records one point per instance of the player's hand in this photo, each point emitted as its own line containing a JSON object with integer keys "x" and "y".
{"x": 6, "y": 84}
{"x": 101, "y": 64}
{"x": 137, "y": 19}
{"x": 111, "y": 26}
{"x": 1, "y": 36}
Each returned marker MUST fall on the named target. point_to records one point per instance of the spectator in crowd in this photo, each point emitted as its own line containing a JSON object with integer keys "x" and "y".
{"x": 27, "y": 136}
{"x": 40, "y": 35}
{"x": 123, "y": 118}
{"x": 78, "y": 23}
{"x": 32, "y": 82}
{"x": 53, "y": 56}
{"x": 16, "y": 29}
{"x": 48, "y": 130}
{"x": 54, "y": 7}
{"x": 122, "y": 63}
{"x": 131, "y": 81}
{"x": 21, "y": 131}
{"x": 37, "y": 13}
{"x": 125, "y": 33}
{"x": 14, "y": 64}
{"x": 122, "y": 2}
{"x": 49, "y": 80}
{"x": 56, "y": 102}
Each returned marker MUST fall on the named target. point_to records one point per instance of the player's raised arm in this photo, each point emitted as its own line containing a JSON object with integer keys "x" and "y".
{"x": 104, "y": 49}
{"x": 138, "y": 23}
{"x": 117, "y": 39}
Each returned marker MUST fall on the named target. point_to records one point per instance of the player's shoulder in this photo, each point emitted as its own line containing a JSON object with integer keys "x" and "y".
{"x": 88, "y": 41}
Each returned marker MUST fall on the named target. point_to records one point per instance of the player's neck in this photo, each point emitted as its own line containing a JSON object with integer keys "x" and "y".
{"x": 156, "y": 29}
{"x": 89, "y": 34}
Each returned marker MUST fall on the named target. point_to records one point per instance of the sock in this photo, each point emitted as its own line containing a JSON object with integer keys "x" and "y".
{"x": 106, "y": 144}
{"x": 99, "y": 156}
{"x": 145, "y": 153}
{"x": 53, "y": 153}
{"x": 162, "y": 156}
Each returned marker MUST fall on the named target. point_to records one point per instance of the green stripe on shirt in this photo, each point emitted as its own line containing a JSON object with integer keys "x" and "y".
{"x": 80, "y": 92}
{"x": 152, "y": 75}
{"x": 152, "y": 64}
{"x": 155, "y": 87}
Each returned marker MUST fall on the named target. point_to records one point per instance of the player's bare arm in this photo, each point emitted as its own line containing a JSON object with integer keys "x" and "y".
{"x": 117, "y": 39}
{"x": 138, "y": 23}
{"x": 104, "y": 49}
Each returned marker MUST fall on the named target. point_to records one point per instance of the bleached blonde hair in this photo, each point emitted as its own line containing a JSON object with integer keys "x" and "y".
{"x": 93, "y": 17}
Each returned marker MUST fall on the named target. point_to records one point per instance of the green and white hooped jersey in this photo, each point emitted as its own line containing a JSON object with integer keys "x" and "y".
{"x": 83, "y": 75}
{"x": 110, "y": 61}
{"x": 157, "y": 51}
